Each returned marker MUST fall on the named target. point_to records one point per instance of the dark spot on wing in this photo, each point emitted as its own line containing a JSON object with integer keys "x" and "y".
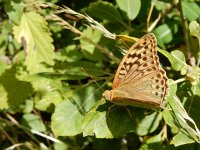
{"x": 144, "y": 58}
{"x": 158, "y": 75}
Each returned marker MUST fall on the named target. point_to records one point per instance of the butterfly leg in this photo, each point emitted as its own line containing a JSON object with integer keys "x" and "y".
{"x": 110, "y": 109}
{"x": 130, "y": 114}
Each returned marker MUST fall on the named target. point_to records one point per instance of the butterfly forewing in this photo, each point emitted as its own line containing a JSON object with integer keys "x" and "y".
{"x": 140, "y": 61}
{"x": 140, "y": 80}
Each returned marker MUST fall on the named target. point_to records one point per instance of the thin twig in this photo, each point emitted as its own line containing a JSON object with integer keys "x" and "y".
{"x": 102, "y": 49}
{"x": 160, "y": 15}
{"x": 66, "y": 25}
{"x": 177, "y": 81}
{"x": 31, "y": 130}
{"x": 15, "y": 146}
{"x": 153, "y": 25}
{"x": 150, "y": 12}
{"x": 8, "y": 136}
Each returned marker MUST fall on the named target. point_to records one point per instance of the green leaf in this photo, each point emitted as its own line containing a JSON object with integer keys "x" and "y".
{"x": 149, "y": 123}
{"x": 170, "y": 99}
{"x": 69, "y": 54}
{"x": 66, "y": 119}
{"x": 172, "y": 90}
{"x": 168, "y": 116}
{"x": 192, "y": 75}
{"x": 13, "y": 90}
{"x": 42, "y": 84}
{"x": 176, "y": 117}
{"x": 182, "y": 138}
{"x": 48, "y": 91}
{"x": 34, "y": 35}
{"x": 191, "y": 10}
{"x": 179, "y": 62}
{"x": 160, "y": 5}
{"x": 105, "y": 122}
{"x": 60, "y": 146}
{"x": 94, "y": 122}
{"x": 131, "y": 7}
{"x": 104, "y": 10}
{"x": 164, "y": 34}
{"x": 3, "y": 65}
{"x": 94, "y": 35}
{"x": 6, "y": 29}
{"x": 53, "y": 97}
{"x": 193, "y": 103}
{"x": 69, "y": 114}
{"x": 14, "y": 9}
{"x": 34, "y": 122}
{"x": 87, "y": 96}
{"x": 96, "y": 56}
{"x": 154, "y": 143}
{"x": 195, "y": 29}
{"x": 28, "y": 106}
{"x": 88, "y": 49}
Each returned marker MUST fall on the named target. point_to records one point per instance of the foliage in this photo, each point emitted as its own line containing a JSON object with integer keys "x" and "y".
{"x": 55, "y": 63}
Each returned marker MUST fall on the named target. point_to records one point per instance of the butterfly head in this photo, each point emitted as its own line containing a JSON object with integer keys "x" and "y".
{"x": 107, "y": 95}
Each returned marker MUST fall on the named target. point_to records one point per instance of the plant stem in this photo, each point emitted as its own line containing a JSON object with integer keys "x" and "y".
{"x": 185, "y": 30}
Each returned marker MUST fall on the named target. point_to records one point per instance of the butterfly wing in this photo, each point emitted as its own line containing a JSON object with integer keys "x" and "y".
{"x": 139, "y": 77}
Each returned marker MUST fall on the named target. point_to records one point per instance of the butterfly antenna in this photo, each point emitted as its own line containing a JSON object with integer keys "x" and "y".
{"x": 92, "y": 78}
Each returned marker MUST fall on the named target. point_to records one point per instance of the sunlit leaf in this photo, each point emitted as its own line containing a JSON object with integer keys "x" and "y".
{"x": 69, "y": 114}
{"x": 33, "y": 122}
{"x": 179, "y": 62}
{"x": 191, "y": 10}
{"x": 195, "y": 29}
{"x": 34, "y": 35}
{"x": 66, "y": 119}
{"x": 131, "y": 7}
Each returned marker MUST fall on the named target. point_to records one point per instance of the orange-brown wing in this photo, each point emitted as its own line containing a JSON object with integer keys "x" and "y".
{"x": 140, "y": 80}
{"x": 141, "y": 61}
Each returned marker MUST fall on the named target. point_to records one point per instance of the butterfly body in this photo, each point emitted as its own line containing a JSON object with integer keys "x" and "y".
{"x": 140, "y": 80}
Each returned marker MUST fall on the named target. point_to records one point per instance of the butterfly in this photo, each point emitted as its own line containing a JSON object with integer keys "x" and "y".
{"x": 140, "y": 81}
